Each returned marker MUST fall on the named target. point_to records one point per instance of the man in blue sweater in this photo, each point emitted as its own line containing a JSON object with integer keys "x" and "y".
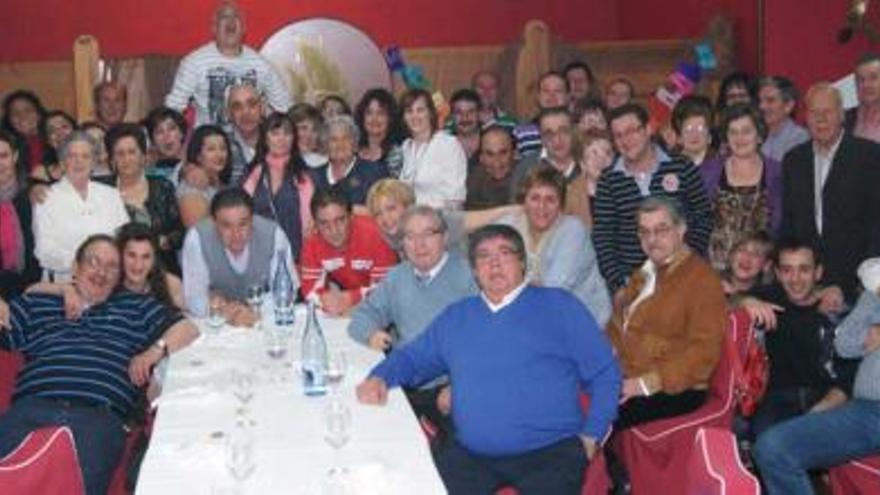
{"x": 517, "y": 357}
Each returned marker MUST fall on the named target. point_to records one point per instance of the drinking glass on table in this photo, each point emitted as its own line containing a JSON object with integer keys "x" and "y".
{"x": 337, "y": 366}
{"x": 337, "y": 432}
{"x": 216, "y": 320}
{"x": 240, "y": 458}
{"x": 243, "y": 388}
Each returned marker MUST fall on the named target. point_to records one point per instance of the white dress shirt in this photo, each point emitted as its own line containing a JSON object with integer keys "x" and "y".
{"x": 821, "y": 168}
{"x": 436, "y": 170}
{"x": 196, "y": 276}
{"x": 506, "y": 300}
{"x": 64, "y": 220}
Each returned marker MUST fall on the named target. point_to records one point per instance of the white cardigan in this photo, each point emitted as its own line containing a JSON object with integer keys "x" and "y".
{"x": 437, "y": 171}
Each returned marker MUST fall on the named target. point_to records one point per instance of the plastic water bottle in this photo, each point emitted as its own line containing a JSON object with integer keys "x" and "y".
{"x": 314, "y": 356}
{"x": 283, "y": 294}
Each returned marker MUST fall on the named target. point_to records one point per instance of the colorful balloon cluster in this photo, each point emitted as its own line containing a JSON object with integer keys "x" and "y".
{"x": 413, "y": 76}
{"x": 680, "y": 83}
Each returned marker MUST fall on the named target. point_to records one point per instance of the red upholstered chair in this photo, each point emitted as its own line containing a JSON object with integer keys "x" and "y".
{"x": 715, "y": 467}
{"x": 859, "y": 477}
{"x": 656, "y": 453}
{"x": 45, "y": 463}
{"x": 10, "y": 364}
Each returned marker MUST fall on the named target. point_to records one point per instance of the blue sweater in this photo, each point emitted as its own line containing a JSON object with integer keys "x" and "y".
{"x": 516, "y": 373}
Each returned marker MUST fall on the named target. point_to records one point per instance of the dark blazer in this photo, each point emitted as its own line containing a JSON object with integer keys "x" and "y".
{"x": 851, "y": 207}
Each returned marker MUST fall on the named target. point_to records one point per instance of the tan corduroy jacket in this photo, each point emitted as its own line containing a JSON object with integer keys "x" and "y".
{"x": 672, "y": 339}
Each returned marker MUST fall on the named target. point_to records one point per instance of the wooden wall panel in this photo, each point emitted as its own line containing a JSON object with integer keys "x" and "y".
{"x": 52, "y": 81}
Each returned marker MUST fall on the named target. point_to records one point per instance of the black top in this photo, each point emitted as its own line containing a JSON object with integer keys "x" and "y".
{"x": 13, "y": 283}
{"x": 801, "y": 348}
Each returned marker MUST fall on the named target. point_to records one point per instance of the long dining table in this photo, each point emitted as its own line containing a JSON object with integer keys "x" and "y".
{"x": 387, "y": 452}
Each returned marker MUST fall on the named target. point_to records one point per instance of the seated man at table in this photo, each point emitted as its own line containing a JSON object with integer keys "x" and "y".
{"x": 517, "y": 356}
{"x": 225, "y": 254}
{"x": 667, "y": 327}
{"x": 412, "y": 294}
{"x": 85, "y": 373}
{"x": 345, "y": 258}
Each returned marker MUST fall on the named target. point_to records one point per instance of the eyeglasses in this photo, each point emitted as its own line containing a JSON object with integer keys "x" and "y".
{"x": 693, "y": 129}
{"x": 662, "y": 231}
{"x": 505, "y": 254}
{"x": 413, "y": 237}
{"x": 94, "y": 263}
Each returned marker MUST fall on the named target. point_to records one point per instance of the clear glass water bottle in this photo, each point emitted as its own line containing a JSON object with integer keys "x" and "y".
{"x": 283, "y": 293}
{"x": 314, "y": 356}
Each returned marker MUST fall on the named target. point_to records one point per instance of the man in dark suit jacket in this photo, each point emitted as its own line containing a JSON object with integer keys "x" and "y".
{"x": 843, "y": 220}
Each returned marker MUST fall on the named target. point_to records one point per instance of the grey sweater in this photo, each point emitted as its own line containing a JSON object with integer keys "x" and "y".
{"x": 410, "y": 305}
{"x": 850, "y": 343}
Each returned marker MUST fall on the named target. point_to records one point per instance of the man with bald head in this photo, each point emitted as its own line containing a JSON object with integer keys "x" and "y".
{"x": 830, "y": 194}
{"x": 205, "y": 74}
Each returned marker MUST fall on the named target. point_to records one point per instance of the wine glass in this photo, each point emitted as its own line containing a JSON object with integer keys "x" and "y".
{"x": 216, "y": 320}
{"x": 276, "y": 340}
{"x": 243, "y": 388}
{"x": 337, "y": 433}
{"x": 240, "y": 453}
{"x": 255, "y": 296}
{"x": 337, "y": 366}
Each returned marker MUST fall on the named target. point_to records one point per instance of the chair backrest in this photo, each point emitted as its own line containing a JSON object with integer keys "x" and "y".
{"x": 739, "y": 324}
{"x": 44, "y": 463}
{"x": 714, "y": 466}
{"x": 10, "y": 364}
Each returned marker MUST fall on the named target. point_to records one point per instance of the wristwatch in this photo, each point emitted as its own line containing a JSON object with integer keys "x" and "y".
{"x": 162, "y": 346}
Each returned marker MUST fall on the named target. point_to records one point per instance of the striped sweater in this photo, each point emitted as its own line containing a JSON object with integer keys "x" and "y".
{"x": 86, "y": 358}
{"x": 618, "y": 197}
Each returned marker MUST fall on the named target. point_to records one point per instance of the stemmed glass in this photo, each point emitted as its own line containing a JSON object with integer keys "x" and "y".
{"x": 243, "y": 388}
{"x": 337, "y": 365}
{"x": 240, "y": 453}
{"x": 216, "y": 320}
{"x": 337, "y": 432}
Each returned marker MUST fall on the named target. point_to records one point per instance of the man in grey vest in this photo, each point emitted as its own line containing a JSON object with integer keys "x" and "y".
{"x": 229, "y": 252}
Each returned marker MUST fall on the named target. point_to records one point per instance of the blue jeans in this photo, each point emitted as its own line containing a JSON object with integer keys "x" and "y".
{"x": 786, "y": 451}
{"x": 97, "y": 432}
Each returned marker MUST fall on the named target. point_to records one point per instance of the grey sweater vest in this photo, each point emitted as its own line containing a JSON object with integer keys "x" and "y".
{"x": 223, "y": 278}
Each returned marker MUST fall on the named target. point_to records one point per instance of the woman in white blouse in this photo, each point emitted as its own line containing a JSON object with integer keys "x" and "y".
{"x": 434, "y": 163}
{"x": 75, "y": 208}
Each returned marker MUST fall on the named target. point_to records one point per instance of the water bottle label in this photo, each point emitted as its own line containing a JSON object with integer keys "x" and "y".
{"x": 313, "y": 382}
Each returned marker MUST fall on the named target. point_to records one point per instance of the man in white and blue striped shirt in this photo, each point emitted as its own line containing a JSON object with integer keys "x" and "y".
{"x": 86, "y": 373}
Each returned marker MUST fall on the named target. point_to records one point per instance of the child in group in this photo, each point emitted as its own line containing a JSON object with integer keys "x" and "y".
{"x": 597, "y": 154}
{"x": 750, "y": 264}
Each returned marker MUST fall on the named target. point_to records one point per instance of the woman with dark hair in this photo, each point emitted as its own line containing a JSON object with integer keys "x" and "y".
{"x": 142, "y": 272}
{"x": 279, "y": 182}
{"x": 692, "y": 120}
{"x": 307, "y": 122}
{"x": 22, "y": 113}
{"x": 208, "y": 168}
{"x": 54, "y": 129}
{"x": 166, "y": 129}
{"x": 377, "y": 118}
{"x": 736, "y": 88}
{"x": 743, "y": 186}
{"x": 434, "y": 163}
{"x": 333, "y": 106}
{"x": 149, "y": 200}
{"x": 18, "y": 267}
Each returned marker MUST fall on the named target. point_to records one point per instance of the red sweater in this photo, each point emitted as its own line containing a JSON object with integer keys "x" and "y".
{"x": 356, "y": 267}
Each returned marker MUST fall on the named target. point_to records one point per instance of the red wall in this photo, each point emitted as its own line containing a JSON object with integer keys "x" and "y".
{"x": 45, "y": 29}
{"x": 665, "y": 19}
{"x": 807, "y": 50}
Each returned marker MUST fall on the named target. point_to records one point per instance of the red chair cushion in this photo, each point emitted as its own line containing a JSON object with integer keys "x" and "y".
{"x": 44, "y": 463}
{"x": 715, "y": 467}
{"x": 859, "y": 477}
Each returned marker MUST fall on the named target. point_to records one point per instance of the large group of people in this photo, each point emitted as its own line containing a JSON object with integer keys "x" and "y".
{"x": 505, "y": 265}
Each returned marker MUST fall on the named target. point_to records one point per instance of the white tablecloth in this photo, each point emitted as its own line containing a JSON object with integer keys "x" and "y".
{"x": 387, "y": 453}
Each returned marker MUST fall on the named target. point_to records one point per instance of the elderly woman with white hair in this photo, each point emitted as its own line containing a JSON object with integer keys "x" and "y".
{"x": 75, "y": 208}
{"x": 344, "y": 168}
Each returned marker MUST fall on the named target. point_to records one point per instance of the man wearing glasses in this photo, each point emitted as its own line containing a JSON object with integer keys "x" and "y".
{"x": 413, "y": 293}
{"x": 642, "y": 170}
{"x": 85, "y": 373}
{"x": 516, "y": 356}
{"x": 345, "y": 258}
